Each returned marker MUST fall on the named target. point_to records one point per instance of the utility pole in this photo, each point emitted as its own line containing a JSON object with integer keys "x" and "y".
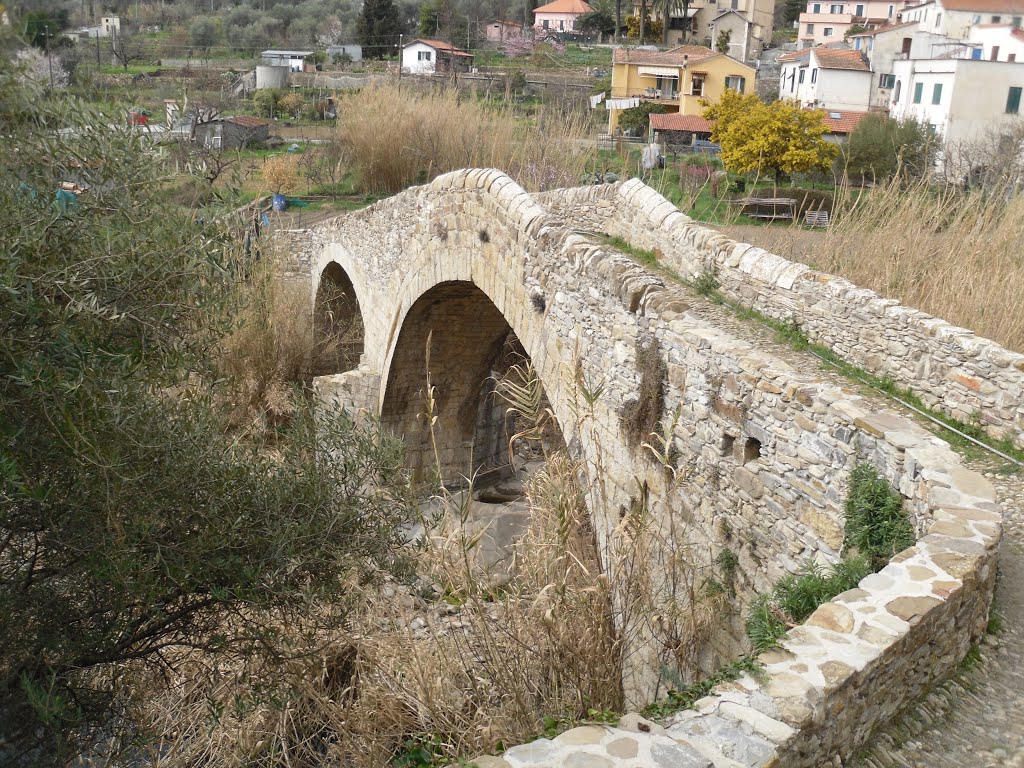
{"x": 400, "y": 49}
{"x": 97, "y": 51}
{"x": 49, "y": 61}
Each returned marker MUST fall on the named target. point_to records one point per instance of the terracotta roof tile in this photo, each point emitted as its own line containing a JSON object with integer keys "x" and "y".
{"x": 677, "y": 122}
{"x": 841, "y": 121}
{"x": 439, "y": 45}
{"x": 672, "y": 57}
{"x": 833, "y": 58}
{"x": 564, "y": 6}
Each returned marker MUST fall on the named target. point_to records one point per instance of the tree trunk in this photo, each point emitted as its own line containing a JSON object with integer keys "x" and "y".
{"x": 643, "y": 21}
{"x": 618, "y": 19}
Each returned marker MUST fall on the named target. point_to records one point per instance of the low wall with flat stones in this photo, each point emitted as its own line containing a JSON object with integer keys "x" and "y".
{"x": 760, "y": 455}
{"x": 950, "y": 368}
{"x": 854, "y": 662}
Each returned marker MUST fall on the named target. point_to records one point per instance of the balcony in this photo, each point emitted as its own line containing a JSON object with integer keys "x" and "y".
{"x": 658, "y": 95}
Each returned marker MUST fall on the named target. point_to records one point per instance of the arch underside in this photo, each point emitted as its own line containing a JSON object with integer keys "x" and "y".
{"x": 338, "y": 329}
{"x": 454, "y": 348}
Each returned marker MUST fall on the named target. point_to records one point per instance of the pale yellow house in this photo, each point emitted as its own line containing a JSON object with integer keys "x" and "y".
{"x": 678, "y": 78}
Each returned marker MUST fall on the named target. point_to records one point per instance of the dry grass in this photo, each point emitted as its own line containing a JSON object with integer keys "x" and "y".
{"x": 465, "y": 658}
{"x": 395, "y": 139}
{"x": 954, "y": 254}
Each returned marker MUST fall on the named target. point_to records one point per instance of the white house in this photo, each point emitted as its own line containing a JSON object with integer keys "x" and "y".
{"x": 996, "y": 42}
{"x": 110, "y": 26}
{"x": 560, "y": 15}
{"x": 954, "y": 18}
{"x": 825, "y": 77}
{"x": 746, "y": 40}
{"x": 699, "y": 27}
{"x": 825, "y": 22}
{"x": 963, "y": 99}
{"x": 426, "y": 57}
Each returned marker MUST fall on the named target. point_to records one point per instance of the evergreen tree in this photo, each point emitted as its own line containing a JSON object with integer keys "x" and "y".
{"x": 378, "y": 29}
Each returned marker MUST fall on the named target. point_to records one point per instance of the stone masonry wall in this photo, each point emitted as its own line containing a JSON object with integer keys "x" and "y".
{"x": 761, "y": 454}
{"x": 950, "y": 368}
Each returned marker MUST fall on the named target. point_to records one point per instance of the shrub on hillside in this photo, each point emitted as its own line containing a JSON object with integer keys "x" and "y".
{"x": 880, "y": 148}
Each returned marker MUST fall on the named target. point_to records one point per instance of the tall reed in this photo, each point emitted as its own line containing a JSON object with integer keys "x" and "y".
{"x": 398, "y": 137}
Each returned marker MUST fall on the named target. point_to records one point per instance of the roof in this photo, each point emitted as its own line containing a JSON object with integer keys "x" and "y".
{"x": 678, "y": 56}
{"x": 506, "y": 23}
{"x": 439, "y": 45}
{"x": 677, "y": 122}
{"x": 280, "y": 52}
{"x": 246, "y": 121}
{"x": 841, "y": 120}
{"x": 830, "y": 58}
{"x": 889, "y": 28}
{"x": 985, "y": 6}
{"x": 564, "y": 6}
{"x": 727, "y": 11}
{"x": 834, "y": 58}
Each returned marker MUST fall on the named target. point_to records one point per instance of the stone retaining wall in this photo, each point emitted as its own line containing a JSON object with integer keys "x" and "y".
{"x": 856, "y": 661}
{"x": 950, "y": 368}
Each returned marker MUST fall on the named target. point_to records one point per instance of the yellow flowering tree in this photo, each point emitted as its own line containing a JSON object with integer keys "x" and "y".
{"x": 779, "y": 137}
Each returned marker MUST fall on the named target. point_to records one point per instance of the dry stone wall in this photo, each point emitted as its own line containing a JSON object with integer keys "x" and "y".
{"x": 760, "y": 457}
{"x": 950, "y": 368}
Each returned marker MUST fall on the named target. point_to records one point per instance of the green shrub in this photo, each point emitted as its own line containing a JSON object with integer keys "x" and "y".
{"x": 796, "y": 597}
{"x": 876, "y": 525}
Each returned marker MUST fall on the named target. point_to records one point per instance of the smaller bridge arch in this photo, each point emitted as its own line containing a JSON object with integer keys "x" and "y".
{"x": 338, "y": 326}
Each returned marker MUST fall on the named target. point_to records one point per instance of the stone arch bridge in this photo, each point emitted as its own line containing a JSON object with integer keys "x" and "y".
{"x": 453, "y": 278}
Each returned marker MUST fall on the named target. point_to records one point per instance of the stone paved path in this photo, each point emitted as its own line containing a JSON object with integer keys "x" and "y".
{"x": 975, "y": 720}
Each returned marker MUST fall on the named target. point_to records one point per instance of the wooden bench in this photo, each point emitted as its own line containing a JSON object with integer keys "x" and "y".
{"x": 769, "y": 208}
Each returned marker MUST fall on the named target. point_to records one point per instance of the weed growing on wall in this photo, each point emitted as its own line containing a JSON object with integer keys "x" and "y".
{"x": 876, "y": 529}
{"x": 641, "y": 415}
{"x": 876, "y": 525}
{"x": 795, "y": 597}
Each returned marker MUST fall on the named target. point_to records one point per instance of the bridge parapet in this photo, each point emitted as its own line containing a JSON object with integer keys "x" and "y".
{"x": 952, "y": 369}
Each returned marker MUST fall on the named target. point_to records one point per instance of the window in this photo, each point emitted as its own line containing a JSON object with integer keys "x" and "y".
{"x": 976, "y": 19}
{"x": 996, "y": 19}
{"x": 892, "y": 8}
{"x": 814, "y": 75}
{"x": 697, "y": 85}
{"x": 859, "y": 11}
{"x": 995, "y": 53}
{"x": 810, "y": 29}
{"x": 938, "y": 20}
{"x": 836, "y": 9}
{"x": 1011, "y": 57}
{"x": 886, "y": 81}
{"x": 546, "y": 24}
{"x": 896, "y": 92}
{"x": 561, "y": 25}
{"x": 817, "y": 8}
{"x": 423, "y": 55}
{"x": 802, "y": 75}
{"x": 735, "y": 5}
{"x": 918, "y": 90}
{"x": 937, "y": 93}
{"x": 976, "y": 54}
{"x": 828, "y": 31}
{"x": 736, "y": 83}
{"x": 1016, "y": 21}
{"x": 1013, "y": 101}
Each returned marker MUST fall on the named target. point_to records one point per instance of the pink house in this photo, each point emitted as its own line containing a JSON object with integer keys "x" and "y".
{"x": 560, "y": 15}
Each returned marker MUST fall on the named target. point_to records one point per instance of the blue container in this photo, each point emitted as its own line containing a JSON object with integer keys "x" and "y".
{"x": 279, "y": 203}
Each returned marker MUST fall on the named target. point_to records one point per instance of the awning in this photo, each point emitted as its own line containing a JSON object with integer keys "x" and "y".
{"x": 698, "y": 74}
{"x": 659, "y": 72}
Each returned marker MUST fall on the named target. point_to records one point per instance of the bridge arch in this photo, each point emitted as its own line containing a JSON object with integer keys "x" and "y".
{"x": 338, "y": 326}
{"x": 456, "y": 333}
